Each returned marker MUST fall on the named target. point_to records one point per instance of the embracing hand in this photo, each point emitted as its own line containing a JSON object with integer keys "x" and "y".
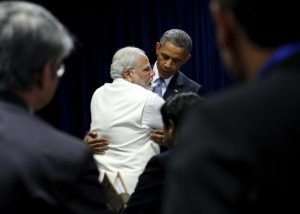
{"x": 98, "y": 145}
{"x": 157, "y": 135}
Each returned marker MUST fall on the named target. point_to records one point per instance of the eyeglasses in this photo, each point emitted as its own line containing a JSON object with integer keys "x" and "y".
{"x": 60, "y": 71}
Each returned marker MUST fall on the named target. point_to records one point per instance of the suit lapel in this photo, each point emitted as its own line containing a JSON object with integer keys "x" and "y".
{"x": 175, "y": 85}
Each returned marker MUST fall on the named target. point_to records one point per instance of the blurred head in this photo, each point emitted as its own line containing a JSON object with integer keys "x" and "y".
{"x": 268, "y": 24}
{"x": 30, "y": 37}
{"x": 172, "y": 112}
{"x": 253, "y": 29}
{"x": 172, "y": 52}
{"x": 132, "y": 64}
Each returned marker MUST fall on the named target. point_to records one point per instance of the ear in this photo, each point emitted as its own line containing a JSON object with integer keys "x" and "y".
{"x": 44, "y": 88}
{"x": 224, "y": 24}
{"x": 127, "y": 75}
{"x": 157, "y": 47}
{"x": 171, "y": 127}
{"x": 170, "y": 134}
{"x": 46, "y": 75}
{"x": 187, "y": 58}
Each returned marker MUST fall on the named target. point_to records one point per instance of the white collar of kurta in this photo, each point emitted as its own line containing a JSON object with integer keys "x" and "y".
{"x": 122, "y": 81}
{"x": 156, "y": 76}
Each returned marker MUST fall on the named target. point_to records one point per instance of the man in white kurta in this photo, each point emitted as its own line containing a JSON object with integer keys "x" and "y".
{"x": 125, "y": 112}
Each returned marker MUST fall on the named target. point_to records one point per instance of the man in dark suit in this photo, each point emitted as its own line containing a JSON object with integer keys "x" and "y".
{"x": 147, "y": 197}
{"x": 42, "y": 169}
{"x": 173, "y": 51}
{"x": 239, "y": 153}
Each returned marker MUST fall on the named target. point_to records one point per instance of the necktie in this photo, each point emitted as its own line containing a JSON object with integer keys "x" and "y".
{"x": 158, "y": 88}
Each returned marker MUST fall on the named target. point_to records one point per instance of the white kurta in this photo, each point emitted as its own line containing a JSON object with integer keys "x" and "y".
{"x": 125, "y": 113}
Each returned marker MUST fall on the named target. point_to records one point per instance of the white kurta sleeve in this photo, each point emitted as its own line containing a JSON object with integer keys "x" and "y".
{"x": 151, "y": 112}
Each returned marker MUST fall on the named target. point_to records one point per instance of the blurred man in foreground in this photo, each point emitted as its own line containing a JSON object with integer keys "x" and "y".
{"x": 42, "y": 169}
{"x": 239, "y": 152}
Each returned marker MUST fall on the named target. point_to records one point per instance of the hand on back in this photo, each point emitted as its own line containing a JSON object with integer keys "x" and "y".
{"x": 98, "y": 145}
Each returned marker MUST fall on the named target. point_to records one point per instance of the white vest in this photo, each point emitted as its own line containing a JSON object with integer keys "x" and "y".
{"x": 116, "y": 111}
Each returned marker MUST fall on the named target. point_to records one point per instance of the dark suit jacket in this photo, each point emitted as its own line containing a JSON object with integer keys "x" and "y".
{"x": 42, "y": 169}
{"x": 178, "y": 84}
{"x": 181, "y": 83}
{"x": 241, "y": 151}
{"x": 147, "y": 197}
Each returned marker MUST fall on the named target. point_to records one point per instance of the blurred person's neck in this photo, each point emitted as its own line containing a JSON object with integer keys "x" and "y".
{"x": 248, "y": 56}
{"x": 253, "y": 57}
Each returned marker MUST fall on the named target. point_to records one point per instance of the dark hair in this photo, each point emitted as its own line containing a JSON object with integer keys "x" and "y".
{"x": 267, "y": 23}
{"x": 179, "y": 38}
{"x": 175, "y": 106}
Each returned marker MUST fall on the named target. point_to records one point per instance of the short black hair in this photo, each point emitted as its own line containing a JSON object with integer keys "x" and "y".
{"x": 175, "y": 106}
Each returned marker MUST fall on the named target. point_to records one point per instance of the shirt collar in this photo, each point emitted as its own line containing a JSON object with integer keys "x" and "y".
{"x": 156, "y": 76}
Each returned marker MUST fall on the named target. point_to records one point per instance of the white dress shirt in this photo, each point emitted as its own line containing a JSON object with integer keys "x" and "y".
{"x": 125, "y": 113}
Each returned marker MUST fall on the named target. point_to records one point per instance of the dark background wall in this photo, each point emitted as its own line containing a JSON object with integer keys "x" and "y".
{"x": 102, "y": 28}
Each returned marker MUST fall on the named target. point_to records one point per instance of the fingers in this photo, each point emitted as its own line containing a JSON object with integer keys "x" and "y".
{"x": 92, "y": 141}
{"x": 158, "y": 131}
{"x": 99, "y": 148}
{"x": 91, "y": 138}
{"x": 87, "y": 139}
{"x": 157, "y": 137}
{"x": 92, "y": 134}
{"x": 98, "y": 145}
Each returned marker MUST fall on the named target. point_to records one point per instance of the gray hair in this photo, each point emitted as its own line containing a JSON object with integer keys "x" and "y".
{"x": 30, "y": 36}
{"x": 179, "y": 38}
{"x": 124, "y": 59}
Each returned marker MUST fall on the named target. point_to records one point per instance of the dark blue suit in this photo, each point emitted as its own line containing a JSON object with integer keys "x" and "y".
{"x": 147, "y": 197}
{"x": 178, "y": 84}
{"x": 42, "y": 169}
{"x": 181, "y": 83}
